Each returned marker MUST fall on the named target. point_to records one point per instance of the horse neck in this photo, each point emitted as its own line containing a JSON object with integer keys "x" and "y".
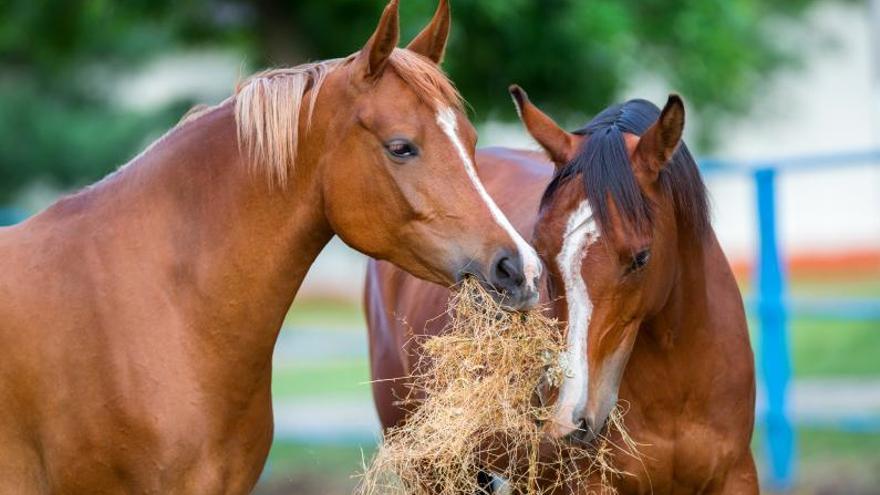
{"x": 230, "y": 249}
{"x": 694, "y": 356}
{"x": 692, "y": 317}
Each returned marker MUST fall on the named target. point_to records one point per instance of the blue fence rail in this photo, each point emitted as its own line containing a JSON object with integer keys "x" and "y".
{"x": 772, "y": 306}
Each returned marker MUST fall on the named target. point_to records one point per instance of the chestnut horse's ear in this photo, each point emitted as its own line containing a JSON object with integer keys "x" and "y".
{"x": 660, "y": 141}
{"x": 431, "y": 42}
{"x": 559, "y": 144}
{"x": 371, "y": 60}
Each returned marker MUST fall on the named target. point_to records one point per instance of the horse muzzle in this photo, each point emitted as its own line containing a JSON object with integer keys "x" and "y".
{"x": 516, "y": 286}
{"x": 506, "y": 280}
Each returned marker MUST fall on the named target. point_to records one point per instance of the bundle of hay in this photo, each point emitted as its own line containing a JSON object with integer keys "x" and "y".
{"x": 481, "y": 414}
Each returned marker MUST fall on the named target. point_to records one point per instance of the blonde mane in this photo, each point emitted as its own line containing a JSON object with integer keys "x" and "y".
{"x": 269, "y": 104}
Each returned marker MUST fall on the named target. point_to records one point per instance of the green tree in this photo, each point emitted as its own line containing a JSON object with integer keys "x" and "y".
{"x": 56, "y": 122}
{"x": 573, "y": 56}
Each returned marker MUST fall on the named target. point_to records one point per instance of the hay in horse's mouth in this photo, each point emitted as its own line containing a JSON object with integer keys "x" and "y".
{"x": 480, "y": 414}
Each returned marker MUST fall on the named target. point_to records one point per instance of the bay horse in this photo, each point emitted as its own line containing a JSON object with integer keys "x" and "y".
{"x": 138, "y": 317}
{"x": 653, "y": 315}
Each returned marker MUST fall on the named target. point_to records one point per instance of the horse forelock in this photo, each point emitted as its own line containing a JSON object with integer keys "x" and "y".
{"x": 269, "y": 105}
{"x": 604, "y": 167}
{"x": 426, "y": 78}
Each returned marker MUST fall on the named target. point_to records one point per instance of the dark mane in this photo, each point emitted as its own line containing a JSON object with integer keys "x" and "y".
{"x": 604, "y": 167}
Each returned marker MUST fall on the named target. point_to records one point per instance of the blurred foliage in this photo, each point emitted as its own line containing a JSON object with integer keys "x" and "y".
{"x": 67, "y": 140}
{"x": 57, "y": 59}
{"x": 573, "y": 56}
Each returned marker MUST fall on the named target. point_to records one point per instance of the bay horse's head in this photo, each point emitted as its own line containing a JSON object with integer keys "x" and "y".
{"x": 624, "y": 201}
{"x": 393, "y": 151}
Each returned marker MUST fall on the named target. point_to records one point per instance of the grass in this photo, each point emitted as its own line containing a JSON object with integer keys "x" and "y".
{"x": 819, "y": 445}
{"x": 832, "y": 348}
{"x": 827, "y": 348}
{"x": 326, "y": 314}
{"x": 306, "y": 469}
{"x": 823, "y": 348}
{"x": 831, "y": 462}
{"x": 288, "y": 457}
{"x": 318, "y": 379}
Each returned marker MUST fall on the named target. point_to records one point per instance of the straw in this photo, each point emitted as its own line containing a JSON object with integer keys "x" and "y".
{"x": 478, "y": 411}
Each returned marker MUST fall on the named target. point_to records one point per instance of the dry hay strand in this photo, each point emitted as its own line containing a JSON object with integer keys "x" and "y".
{"x": 479, "y": 378}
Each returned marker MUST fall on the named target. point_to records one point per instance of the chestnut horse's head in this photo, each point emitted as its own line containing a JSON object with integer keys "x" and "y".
{"x": 625, "y": 198}
{"x": 393, "y": 151}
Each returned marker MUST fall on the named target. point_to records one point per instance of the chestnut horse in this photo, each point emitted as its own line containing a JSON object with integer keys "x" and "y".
{"x": 653, "y": 314}
{"x": 138, "y": 317}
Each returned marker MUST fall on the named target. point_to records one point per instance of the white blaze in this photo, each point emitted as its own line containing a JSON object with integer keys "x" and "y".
{"x": 531, "y": 264}
{"x": 580, "y": 232}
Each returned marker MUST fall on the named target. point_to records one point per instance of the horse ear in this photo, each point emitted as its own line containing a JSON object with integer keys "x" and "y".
{"x": 559, "y": 144}
{"x": 373, "y": 57}
{"x": 660, "y": 141}
{"x": 431, "y": 42}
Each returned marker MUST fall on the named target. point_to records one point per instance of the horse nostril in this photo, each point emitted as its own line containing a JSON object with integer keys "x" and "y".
{"x": 583, "y": 433}
{"x": 506, "y": 277}
{"x": 586, "y": 431}
{"x": 502, "y": 269}
{"x": 507, "y": 272}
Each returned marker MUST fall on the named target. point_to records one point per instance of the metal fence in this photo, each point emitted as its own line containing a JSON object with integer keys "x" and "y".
{"x": 771, "y": 306}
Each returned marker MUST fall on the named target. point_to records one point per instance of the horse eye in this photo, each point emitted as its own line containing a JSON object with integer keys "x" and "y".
{"x": 401, "y": 149}
{"x": 640, "y": 260}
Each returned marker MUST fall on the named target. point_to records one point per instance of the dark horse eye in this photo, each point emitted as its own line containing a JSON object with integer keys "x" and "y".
{"x": 640, "y": 260}
{"x": 401, "y": 149}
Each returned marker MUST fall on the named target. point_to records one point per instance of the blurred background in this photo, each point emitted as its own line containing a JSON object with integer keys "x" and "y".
{"x": 784, "y": 107}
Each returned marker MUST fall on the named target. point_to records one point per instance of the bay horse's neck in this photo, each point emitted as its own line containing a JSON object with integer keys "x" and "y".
{"x": 229, "y": 250}
{"x": 685, "y": 307}
{"x": 703, "y": 309}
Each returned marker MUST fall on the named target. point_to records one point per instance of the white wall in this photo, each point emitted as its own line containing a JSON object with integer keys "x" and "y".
{"x": 830, "y": 106}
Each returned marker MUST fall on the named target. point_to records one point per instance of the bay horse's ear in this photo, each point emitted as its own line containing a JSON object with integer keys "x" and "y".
{"x": 431, "y": 42}
{"x": 660, "y": 141}
{"x": 559, "y": 144}
{"x": 373, "y": 57}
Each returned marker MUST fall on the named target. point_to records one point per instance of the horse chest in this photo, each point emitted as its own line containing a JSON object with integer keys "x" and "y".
{"x": 128, "y": 436}
{"x": 131, "y": 457}
{"x": 685, "y": 456}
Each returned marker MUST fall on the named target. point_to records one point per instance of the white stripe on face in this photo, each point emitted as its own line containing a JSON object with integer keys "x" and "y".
{"x": 580, "y": 232}
{"x": 531, "y": 264}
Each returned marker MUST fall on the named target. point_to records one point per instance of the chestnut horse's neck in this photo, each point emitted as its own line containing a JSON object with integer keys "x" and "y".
{"x": 228, "y": 250}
